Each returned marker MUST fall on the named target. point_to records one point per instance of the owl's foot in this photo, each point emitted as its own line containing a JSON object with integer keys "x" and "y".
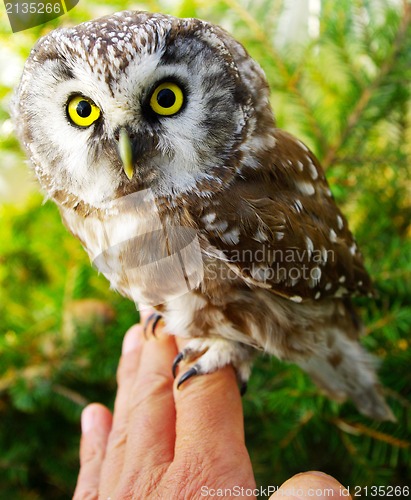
{"x": 151, "y": 324}
{"x": 213, "y": 354}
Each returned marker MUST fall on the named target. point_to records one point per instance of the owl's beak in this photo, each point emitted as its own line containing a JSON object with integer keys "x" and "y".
{"x": 126, "y": 152}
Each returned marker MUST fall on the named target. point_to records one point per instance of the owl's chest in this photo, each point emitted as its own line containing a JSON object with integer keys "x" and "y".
{"x": 144, "y": 256}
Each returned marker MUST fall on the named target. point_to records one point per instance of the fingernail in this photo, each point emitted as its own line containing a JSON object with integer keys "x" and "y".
{"x": 87, "y": 419}
{"x": 132, "y": 339}
{"x": 318, "y": 473}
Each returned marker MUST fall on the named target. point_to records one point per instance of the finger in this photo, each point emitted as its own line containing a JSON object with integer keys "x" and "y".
{"x": 145, "y": 312}
{"x": 126, "y": 376}
{"x": 209, "y": 414}
{"x": 96, "y": 423}
{"x": 311, "y": 485}
{"x": 151, "y": 426}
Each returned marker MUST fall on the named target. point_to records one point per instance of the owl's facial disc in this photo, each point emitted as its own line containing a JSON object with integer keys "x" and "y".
{"x": 139, "y": 101}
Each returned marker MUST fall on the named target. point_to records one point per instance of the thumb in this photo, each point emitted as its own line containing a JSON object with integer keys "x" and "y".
{"x": 311, "y": 484}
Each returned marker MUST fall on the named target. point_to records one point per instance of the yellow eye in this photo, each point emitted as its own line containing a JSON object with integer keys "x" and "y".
{"x": 167, "y": 99}
{"x": 82, "y": 111}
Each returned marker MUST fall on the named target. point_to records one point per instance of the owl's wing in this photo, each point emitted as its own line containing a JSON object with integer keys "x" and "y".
{"x": 279, "y": 228}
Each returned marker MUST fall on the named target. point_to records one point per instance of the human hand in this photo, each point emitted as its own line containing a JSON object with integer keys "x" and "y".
{"x": 167, "y": 443}
{"x": 162, "y": 442}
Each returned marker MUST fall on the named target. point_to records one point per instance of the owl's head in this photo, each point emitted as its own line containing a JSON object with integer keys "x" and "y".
{"x": 140, "y": 101}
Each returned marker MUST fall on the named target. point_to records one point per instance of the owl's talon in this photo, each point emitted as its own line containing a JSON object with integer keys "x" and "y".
{"x": 188, "y": 374}
{"x": 243, "y": 388}
{"x": 154, "y": 319}
{"x": 176, "y": 362}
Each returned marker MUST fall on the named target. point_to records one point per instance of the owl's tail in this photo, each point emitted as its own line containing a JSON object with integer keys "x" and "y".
{"x": 347, "y": 370}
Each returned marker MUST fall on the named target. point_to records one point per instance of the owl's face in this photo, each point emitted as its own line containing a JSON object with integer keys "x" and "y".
{"x": 136, "y": 101}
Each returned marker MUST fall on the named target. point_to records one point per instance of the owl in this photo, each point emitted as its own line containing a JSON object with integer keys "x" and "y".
{"x": 154, "y": 135}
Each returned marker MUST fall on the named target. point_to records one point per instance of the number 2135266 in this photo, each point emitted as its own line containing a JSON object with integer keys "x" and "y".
{"x": 33, "y": 8}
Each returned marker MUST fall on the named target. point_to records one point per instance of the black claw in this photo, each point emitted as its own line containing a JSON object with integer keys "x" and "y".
{"x": 155, "y": 323}
{"x": 176, "y": 362}
{"x": 243, "y": 388}
{"x": 155, "y": 318}
{"x": 188, "y": 374}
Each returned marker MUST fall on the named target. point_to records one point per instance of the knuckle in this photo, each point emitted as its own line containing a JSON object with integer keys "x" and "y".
{"x": 152, "y": 385}
{"x": 118, "y": 437}
{"x": 144, "y": 483}
{"x": 158, "y": 381}
{"x": 91, "y": 453}
{"x": 185, "y": 475}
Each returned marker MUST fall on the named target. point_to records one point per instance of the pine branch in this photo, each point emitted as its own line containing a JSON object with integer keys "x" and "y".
{"x": 350, "y": 447}
{"x": 380, "y": 323}
{"x": 358, "y": 429}
{"x": 69, "y": 394}
{"x": 295, "y": 431}
{"x": 260, "y": 35}
{"x": 394, "y": 395}
{"x": 369, "y": 91}
{"x": 291, "y": 81}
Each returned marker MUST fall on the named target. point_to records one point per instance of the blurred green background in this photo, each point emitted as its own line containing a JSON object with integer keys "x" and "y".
{"x": 340, "y": 76}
